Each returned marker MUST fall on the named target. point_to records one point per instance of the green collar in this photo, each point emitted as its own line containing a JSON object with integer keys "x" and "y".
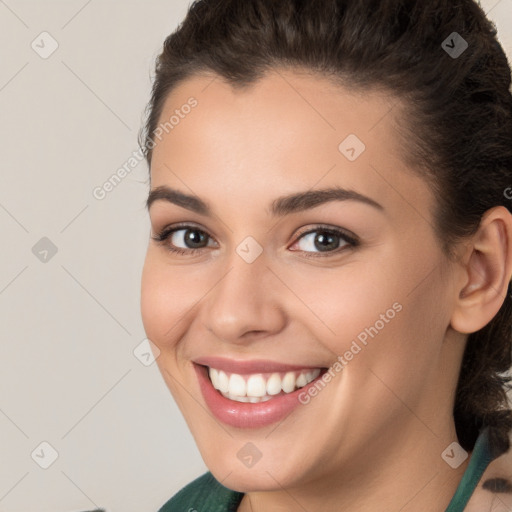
{"x": 481, "y": 457}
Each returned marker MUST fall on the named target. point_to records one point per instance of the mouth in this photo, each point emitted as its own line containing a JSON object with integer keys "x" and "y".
{"x": 259, "y": 387}
{"x": 253, "y": 394}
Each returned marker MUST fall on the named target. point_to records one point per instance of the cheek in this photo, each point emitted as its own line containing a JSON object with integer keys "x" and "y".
{"x": 168, "y": 295}
{"x": 349, "y": 305}
{"x": 386, "y": 316}
{"x": 403, "y": 355}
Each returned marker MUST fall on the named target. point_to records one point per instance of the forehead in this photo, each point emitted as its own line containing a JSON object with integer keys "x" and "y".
{"x": 305, "y": 99}
{"x": 288, "y": 131}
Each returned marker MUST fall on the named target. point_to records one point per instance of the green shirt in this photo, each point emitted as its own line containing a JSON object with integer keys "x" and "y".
{"x": 205, "y": 494}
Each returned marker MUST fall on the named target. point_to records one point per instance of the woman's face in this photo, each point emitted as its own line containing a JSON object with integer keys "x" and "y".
{"x": 280, "y": 282}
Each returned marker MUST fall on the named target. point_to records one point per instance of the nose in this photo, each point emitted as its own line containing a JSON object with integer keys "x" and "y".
{"x": 245, "y": 303}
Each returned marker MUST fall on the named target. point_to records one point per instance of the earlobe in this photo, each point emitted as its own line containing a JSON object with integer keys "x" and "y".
{"x": 487, "y": 270}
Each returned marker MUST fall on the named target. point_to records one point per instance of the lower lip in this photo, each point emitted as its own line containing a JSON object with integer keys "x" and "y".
{"x": 246, "y": 414}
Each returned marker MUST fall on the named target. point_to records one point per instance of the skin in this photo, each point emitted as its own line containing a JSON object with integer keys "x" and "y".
{"x": 387, "y": 417}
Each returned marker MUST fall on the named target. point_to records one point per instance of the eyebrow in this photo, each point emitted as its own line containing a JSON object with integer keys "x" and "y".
{"x": 281, "y": 206}
{"x": 498, "y": 485}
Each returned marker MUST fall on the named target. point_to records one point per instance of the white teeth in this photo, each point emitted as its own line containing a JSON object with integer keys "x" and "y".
{"x": 239, "y": 398}
{"x": 301, "y": 380}
{"x": 223, "y": 382}
{"x": 237, "y": 386}
{"x": 251, "y": 399}
{"x": 214, "y": 377}
{"x": 314, "y": 374}
{"x": 288, "y": 383}
{"x": 273, "y": 384}
{"x": 256, "y": 388}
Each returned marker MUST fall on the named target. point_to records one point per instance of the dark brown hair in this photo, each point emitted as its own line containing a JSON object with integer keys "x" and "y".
{"x": 456, "y": 123}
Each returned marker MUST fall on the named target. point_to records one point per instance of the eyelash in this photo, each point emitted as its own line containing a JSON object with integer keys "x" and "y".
{"x": 351, "y": 240}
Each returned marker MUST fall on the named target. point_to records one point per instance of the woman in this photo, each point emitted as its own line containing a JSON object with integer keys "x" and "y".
{"x": 328, "y": 277}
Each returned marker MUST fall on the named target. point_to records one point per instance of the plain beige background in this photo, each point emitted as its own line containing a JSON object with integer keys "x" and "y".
{"x": 69, "y": 304}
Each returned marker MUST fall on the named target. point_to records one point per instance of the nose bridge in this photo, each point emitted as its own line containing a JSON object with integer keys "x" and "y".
{"x": 242, "y": 299}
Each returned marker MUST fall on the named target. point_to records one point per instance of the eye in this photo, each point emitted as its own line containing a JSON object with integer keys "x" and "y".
{"x": 326, "y": 240}
{"x": 186, "y": 239}
{"x": 319, "y": 242}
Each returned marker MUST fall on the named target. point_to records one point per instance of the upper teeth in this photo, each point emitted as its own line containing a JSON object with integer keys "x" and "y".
{"x": 259, "y": 387}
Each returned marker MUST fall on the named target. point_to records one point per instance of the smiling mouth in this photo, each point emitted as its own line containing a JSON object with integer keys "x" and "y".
{"x": 260, "y": 387}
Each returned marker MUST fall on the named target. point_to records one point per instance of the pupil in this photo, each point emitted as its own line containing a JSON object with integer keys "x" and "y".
{"x": 328, "y": 241}
{"x": 194, "y": 237}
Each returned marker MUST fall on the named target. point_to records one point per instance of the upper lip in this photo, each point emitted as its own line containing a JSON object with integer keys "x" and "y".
{"x": 249, "y": 366}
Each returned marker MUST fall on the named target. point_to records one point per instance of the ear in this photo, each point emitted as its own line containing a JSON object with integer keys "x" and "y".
{"x": 485, "y": 273}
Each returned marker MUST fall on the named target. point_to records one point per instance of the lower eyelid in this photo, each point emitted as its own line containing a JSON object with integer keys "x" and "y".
{"x": 348, "y": 241}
